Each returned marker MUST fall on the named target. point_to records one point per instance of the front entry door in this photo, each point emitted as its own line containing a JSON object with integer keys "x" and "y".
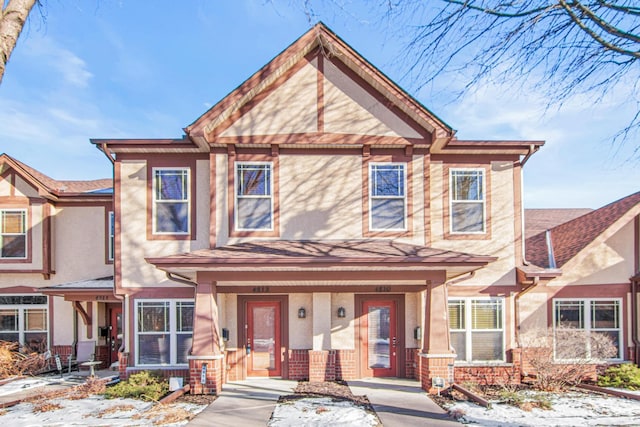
{"x": 263, "y": 339}
{"x": 379, "y": 337}
{"x": 114, "y": 339}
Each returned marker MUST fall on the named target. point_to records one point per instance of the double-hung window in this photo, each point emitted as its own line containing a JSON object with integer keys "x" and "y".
{"x": 24, "y": 319}
{"x": 171, "y": 201}
{"x": 587, "y": 328}
{"x": 476, "y": 328}
{"x": 164, "y": 332}
{"x": 387, "y": 196}
{"x": 467, "y": 198}
{"x": 254, "y": 196}
{"x": 13, "y": 234}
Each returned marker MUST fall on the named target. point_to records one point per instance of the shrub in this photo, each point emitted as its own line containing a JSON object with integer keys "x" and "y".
{"x": 143, "y": 385}
{"x": 622, "y": 376}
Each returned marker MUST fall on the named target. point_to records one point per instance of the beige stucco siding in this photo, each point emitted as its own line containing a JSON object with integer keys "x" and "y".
{"x": 320, "y": 197}
{"x": 300, "y": 330}
{"x": 501, "y": 216}
{"x": 291, "y": 108}
{"x": 412, "y": 319}
{"x": 133, "y": 210}
{"x": 5, "y": 187}
{"x": 351, "y": 109}
{"x": 62, "y": 330}
{"x": 606, "y": 262}
{"x": 342, "y": 329}
{"x": 22, "y": 188}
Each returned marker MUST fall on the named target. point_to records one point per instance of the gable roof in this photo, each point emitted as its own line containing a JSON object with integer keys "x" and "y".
{"x": 331, "y": 45}
{"x": 53, "y": 187}
{"x": 568, "y": 239}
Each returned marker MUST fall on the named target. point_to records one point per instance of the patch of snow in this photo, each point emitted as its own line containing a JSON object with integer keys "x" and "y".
{"x": 25, "y": 384}
{"x": 314, "y": 411}
{"x": 569, "y": 409}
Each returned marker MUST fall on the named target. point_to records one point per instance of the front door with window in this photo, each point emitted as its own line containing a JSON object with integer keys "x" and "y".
{"x": 379, "y": 337}
{"x": 115, "y": 332}
{"x": 263, "y": 339}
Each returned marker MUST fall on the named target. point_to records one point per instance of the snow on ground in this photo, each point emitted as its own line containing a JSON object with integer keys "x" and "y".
{"x": 313, "y": 412}
{"x": 94, "y": 410}
{"x": 570, "y": 409}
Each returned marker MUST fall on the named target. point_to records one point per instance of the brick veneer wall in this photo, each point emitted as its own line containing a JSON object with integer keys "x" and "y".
{"x": 63, "y": 351}
{"x": 322, "y": 365}
{"x": 345, "y": 364}
{"x": 214, "y": 376}
{"x": 298, "y": 365}
{"x": 411, "y": 364}
{"x": 103, "y": 354}
{"x": 496, "y": 374}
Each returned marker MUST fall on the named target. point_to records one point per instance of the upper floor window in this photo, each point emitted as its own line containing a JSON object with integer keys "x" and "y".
{"x": 254, "y": 196}
{"x": 111, "y": 236}
{"x": 467, "y": 208}
{"x": 13, "y": 233}
{"x": 171, "y": 201}
{"x": 586, "y": 328}
{"x": 387, "y": 196}
{"x": 477, "y": 329}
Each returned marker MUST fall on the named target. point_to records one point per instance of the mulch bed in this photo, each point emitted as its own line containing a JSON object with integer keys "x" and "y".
{"x": 197, "y": 399}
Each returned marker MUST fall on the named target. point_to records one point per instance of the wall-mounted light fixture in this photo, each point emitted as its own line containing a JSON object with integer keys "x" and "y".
{"x": 417, "y": 333}
{"x": 302, "y": 313}
{"x": 342, "y": 312}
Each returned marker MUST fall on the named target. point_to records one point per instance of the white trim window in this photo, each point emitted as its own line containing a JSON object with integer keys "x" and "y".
{"x": 25, "y": 319}
{"x": 387, "y": 196}
{"x": 254, "y": 196}
{"x": 467, "y": 201}
{"x": 476, "y": 327}
{"x": 111, "y": 237}
{"x": 171, "y": 195}
{"x": 13, "y": 234}
{"x": 578, "y": 323}
{"x": 164, "y": 331}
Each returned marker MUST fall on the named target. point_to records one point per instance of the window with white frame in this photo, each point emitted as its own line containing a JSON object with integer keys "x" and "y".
{"x": 585, "y": 328}
{"x": 171, "y": 201}
{"x": 13, "y": 233}
{"x": 254, "y": 196}
{"x": 467, "y": 198}
{"x": 164, "y": 332}
{"x": 476, "y": 328}
{"x": 111, "y": 237}
{"x": 387, "y": 196}
{"x": 24, "y": 319}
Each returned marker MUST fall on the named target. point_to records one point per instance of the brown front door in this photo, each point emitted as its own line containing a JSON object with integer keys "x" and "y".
{"x": 114, "y": 339}
{"x": 379, "y": 338}
{"x": 263, "y": 339}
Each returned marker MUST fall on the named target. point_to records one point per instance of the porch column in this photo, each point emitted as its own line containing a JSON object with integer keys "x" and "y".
{"x": 437, "y": 357}
{"x": 321, "y": 358}
{"x": 206, "y": 359}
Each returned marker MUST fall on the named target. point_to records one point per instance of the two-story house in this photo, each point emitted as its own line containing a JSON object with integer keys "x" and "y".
{"x": 56, "y": 239}
{"x": 319, "y": 222}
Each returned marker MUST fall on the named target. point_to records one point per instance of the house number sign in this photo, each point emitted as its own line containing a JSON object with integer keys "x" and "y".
{"x": 260, "y": 289}
{"x": 383, "y": 288}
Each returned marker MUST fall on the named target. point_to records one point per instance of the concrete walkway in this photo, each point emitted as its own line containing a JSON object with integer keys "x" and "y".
{"x": 398, "y": 402}
{"x": 401, "y": 403}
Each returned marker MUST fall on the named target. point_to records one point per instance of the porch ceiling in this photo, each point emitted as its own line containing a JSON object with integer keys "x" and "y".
{"x": 326, "y": 259}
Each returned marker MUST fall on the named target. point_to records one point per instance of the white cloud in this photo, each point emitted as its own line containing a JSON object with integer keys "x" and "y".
{"x": 70, "y": 67}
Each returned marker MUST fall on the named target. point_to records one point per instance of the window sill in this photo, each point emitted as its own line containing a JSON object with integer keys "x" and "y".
{"x": 492, "y": 364}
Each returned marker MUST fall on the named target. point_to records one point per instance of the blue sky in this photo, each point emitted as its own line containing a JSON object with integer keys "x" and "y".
{"x": 146, "y": 69}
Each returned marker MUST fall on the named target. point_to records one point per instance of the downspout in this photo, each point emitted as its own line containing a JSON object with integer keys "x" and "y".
{"x": 181, "y": 279}
{"x": 532, "y": 150}
{"x": 634, "y": 319}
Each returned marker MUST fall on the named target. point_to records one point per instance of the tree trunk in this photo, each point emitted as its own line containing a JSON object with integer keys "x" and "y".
{"x": 13, "y": 17}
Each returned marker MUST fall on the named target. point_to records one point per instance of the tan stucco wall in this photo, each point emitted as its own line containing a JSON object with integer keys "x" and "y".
{"x": 342, "y": 329}
{"x": 412, "y": 319}
{"x": 610, "y": 261}
{"x": 62, "y": 330}
{"x": 289, "y": 109}
{"x": 5, "y": 187}
{"x": 502, "y": 214}
{"x": 320, "y": 197}
{"x": 23, "y": 188}
{"x": 135, "y": 271}
{"x": 300, "y": 330}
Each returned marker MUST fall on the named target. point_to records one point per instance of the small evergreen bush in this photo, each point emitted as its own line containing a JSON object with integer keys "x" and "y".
{"x": 622, "y": 376}
{"x": 143, "y": 385}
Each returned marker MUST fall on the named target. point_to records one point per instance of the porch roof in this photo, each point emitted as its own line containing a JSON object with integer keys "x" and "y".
{"x": 100, "y": 289}
{"x": 262, "y": 255}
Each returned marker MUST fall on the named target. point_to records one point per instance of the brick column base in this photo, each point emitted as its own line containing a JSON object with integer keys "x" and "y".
{"x": 214, "y": 375}
{"x": 322, "y": 366}
{"x": 435, "y": 365}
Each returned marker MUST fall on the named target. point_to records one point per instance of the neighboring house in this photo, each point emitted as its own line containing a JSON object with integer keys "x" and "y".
{"x": 320, "y": 223}
{"x": 595, "y": 260}
{"x": 55, "y": 240}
